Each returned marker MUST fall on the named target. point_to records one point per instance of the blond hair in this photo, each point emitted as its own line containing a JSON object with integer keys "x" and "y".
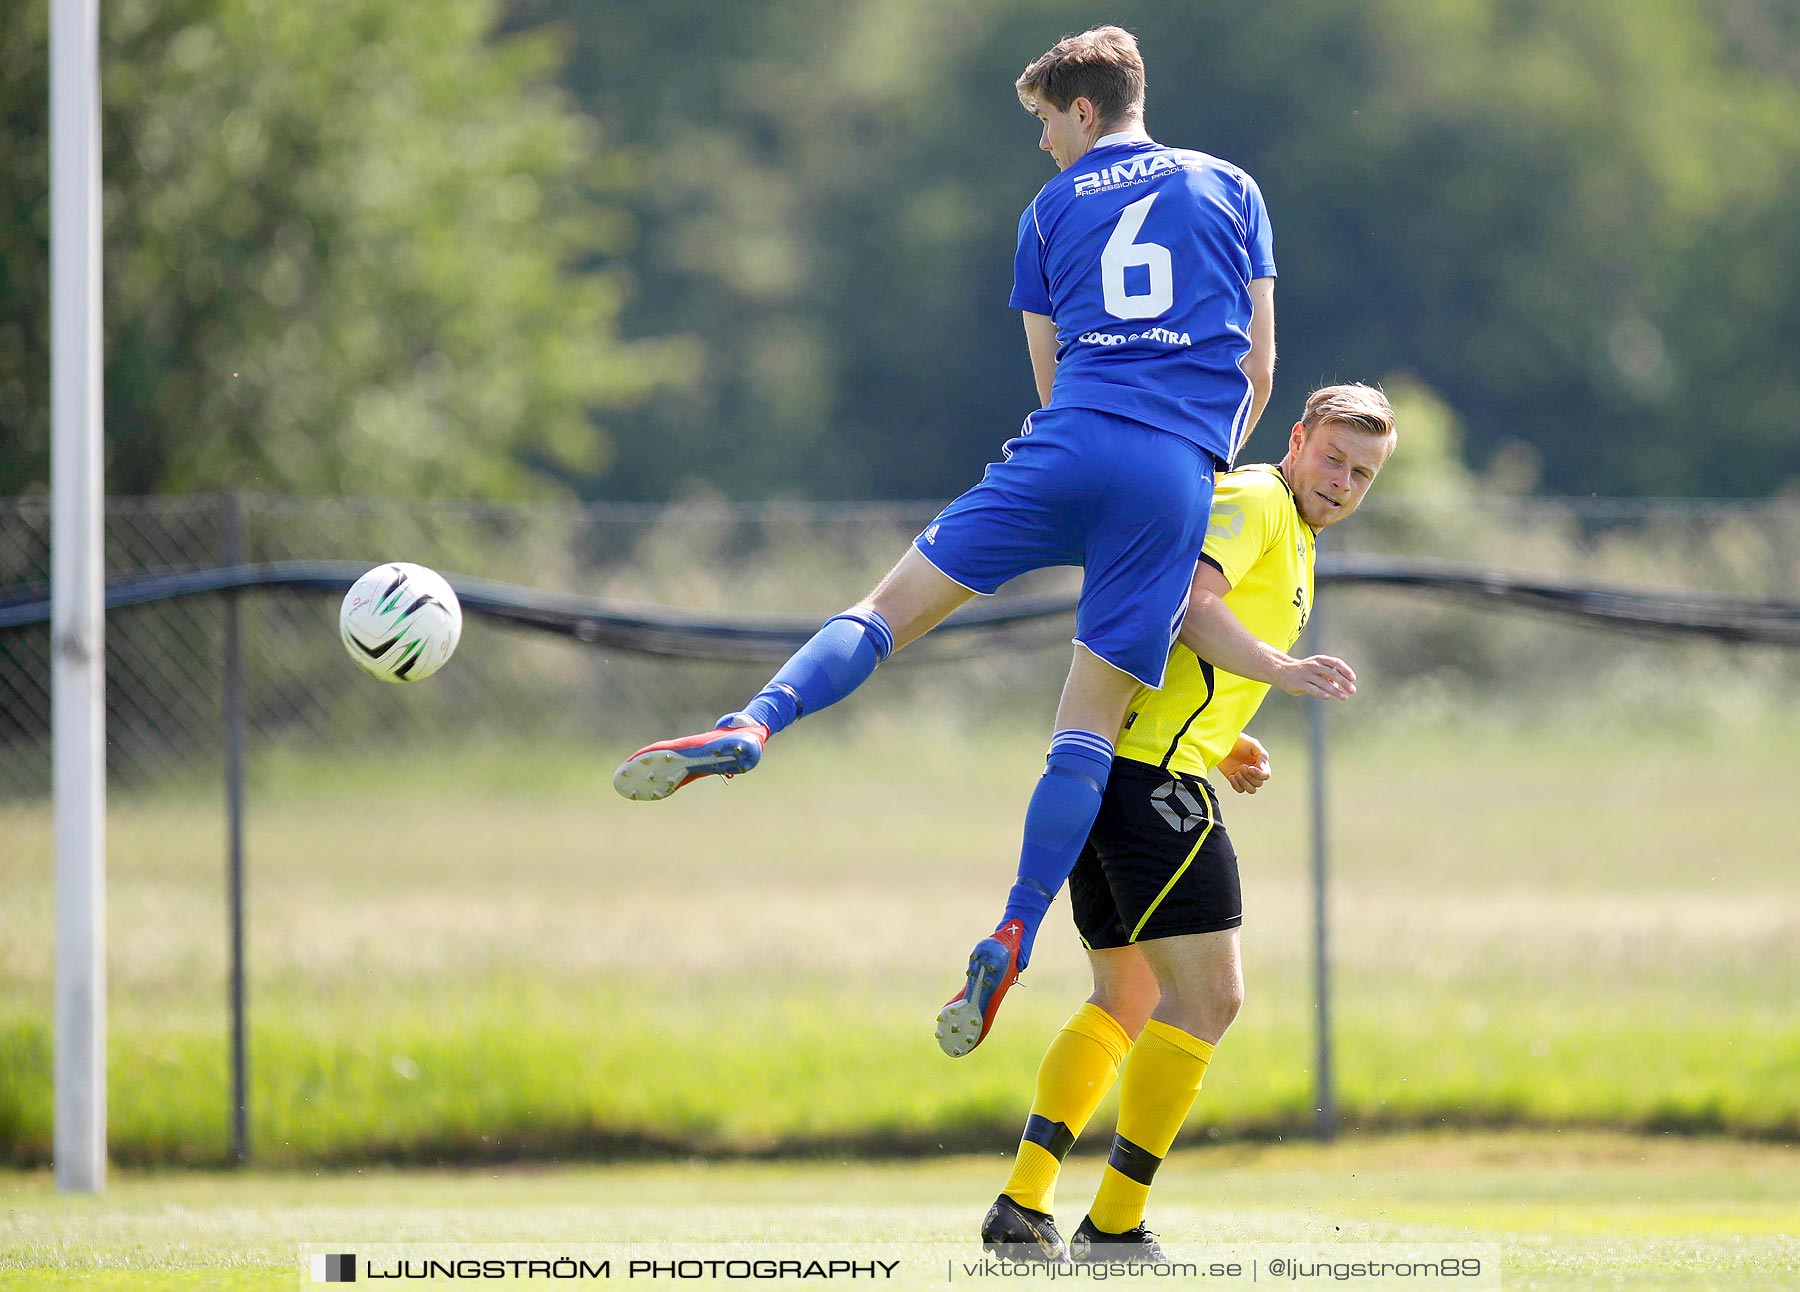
{"x": 1101, "y": 65}
{"x": 1360, "y": 407}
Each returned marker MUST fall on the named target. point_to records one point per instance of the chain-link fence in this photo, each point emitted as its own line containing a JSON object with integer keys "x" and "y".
{"x": 165, "y": 660}
{"x": 1553, "y": 798}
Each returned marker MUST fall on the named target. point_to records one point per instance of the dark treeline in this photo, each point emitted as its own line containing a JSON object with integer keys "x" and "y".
{"x": 766, "y": 248}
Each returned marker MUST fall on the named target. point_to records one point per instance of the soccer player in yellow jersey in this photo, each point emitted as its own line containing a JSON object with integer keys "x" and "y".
{"x": 1155, "y": 893}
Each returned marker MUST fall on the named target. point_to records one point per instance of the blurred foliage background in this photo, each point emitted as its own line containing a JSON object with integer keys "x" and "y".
{"x": 471, "y": 248}
{"x": 529, "y": 252}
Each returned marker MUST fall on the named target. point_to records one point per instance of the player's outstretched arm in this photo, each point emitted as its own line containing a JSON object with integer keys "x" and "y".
{"x": 1259, "y": 364}
{"x": 1219, "y": 637}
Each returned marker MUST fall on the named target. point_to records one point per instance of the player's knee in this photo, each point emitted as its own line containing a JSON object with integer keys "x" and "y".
{"x": 1227, "y": 1001}
{"x": 1218, "y": 1008}
{"x": 1204, "y": 1008}
{"x": 905, "y": 620}
{"x": 1129, "y": 1003}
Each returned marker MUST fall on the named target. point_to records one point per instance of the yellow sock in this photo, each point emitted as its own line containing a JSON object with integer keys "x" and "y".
{"x": 1159, "y": 1086}
{"x": 1077, "y": 1071}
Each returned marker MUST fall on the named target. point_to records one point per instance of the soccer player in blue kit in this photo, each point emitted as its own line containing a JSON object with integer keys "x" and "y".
{"x": 1146, "y": 278}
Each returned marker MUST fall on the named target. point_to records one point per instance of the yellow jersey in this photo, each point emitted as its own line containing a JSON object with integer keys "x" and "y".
{"x": 1257, "y": 540}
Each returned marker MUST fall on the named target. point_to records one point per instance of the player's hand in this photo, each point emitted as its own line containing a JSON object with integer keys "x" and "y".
{"x": 1323, "y": 677}
{"x": 1246, "y": 767}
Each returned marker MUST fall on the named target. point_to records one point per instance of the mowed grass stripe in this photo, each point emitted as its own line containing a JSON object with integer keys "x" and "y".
{"x": 627, "y": 1079}
{"x": 1568, "y": 1211}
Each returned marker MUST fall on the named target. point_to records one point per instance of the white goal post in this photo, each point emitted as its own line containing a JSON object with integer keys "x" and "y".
{"x": 77, "y": 593}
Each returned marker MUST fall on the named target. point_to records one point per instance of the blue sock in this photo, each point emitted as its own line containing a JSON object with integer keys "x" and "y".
{"x": 837, "y": 660}
{"x": 1062, "y": 811}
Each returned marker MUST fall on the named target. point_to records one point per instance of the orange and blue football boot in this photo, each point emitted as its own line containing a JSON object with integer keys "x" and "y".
{"x": 963, "y": 1023}
{"x": 657, "y": 771}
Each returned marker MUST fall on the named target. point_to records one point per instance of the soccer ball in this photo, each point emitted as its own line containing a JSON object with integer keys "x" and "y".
{"x": 401, "y": 622}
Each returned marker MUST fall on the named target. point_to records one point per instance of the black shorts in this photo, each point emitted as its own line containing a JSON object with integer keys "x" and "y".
{"x": 1157, "y": 863}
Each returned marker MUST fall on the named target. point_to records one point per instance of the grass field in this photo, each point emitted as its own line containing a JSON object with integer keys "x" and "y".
{"x": 1584, "y": 1211}
{"x": 503, "y": 960}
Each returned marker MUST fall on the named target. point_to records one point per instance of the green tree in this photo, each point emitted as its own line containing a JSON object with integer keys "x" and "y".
{"x": 1575, "y": 222}
{"x": 1537, "y": 207}
{"x": 358, "y": 248}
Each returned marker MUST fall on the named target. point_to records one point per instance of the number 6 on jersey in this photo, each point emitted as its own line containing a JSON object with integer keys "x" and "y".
{"x": 1123, "y": 252}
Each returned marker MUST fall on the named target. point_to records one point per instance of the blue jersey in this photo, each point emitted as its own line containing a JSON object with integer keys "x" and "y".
{"x": 1143, "y": 256}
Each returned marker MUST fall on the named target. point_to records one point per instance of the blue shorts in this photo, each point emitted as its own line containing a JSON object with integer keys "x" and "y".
{"x": 1077, "y": 486}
